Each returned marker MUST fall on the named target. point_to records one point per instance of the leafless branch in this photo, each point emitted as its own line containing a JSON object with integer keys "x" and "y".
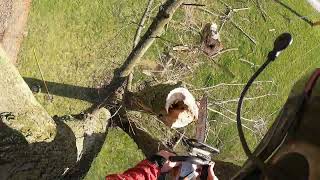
{"x": 192, "y": 4}
{"x": 117, "y": 111}
{"x": 224, "y": 51}
{"x": 209, "y": 12}
{"x": 245, "y": 99}
{"x": 233, "y": 113}
{"x": 226, "y": 84}
{"x": 137, "y": 37}
{"x": 155, "y": 30}
{"x": 227, "y": 117}
{"x": 142, "y": 22}
{"x": 245, "y": 33}
{"x": 249, "y": 62}
{"x": 178, "y": 141}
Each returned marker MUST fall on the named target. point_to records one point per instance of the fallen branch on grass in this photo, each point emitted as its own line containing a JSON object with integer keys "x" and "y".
{"x": 246, "y": 34}
{"x": 227, "y": 117}
{"x": 226, "y": 84}
{"x": 224, "y": 51}
{"x": 246, "y": 99}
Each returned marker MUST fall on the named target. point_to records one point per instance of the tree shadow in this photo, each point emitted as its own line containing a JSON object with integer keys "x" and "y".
{"x": 45, "y": 160}
{"x": 304, "y": 18}
{"x": 92, "y": 95}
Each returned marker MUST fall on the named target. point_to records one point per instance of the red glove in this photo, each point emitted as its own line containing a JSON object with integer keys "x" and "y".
{"x": 145, "y": 170}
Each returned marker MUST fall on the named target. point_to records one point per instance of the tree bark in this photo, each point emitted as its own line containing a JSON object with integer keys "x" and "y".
{"x": 155, "y": 30}
{"x": 35, "y": 146}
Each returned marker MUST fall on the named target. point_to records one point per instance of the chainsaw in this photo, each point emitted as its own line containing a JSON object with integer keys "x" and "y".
{"x": 195, "y": 163}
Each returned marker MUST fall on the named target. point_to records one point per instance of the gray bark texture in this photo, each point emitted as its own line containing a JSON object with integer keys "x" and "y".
{"x": 35, "y": 146}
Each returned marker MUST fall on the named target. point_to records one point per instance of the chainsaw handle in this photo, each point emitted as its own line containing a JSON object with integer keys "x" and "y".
{"x": 191, "y": 159}
{"x": 193, "y": 143}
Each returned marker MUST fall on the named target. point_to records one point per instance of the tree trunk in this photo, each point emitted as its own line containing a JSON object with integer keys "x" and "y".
{"x": 35, "y": 146}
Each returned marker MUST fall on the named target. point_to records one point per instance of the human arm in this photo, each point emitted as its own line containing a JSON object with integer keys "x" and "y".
{"x": 148, "y": 169}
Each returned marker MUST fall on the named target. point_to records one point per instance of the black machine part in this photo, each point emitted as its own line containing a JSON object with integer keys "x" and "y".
{"x": 281, "y": 43}
{"x": 200, "y": 155}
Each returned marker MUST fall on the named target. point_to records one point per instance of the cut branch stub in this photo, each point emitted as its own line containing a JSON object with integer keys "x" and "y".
{"x": 173, "y": 105}
{"x": 210, "y": 42}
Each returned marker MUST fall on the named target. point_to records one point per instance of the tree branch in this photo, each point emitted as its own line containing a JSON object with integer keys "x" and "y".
{"x": 156, "y": 28}
{"x": 141, "y": 23}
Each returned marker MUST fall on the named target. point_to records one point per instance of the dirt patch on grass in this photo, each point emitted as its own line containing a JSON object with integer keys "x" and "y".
{"x": 13, "y": 19}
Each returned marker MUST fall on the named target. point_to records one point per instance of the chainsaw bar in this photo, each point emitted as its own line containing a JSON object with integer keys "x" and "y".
{"x": 202, "y": 123}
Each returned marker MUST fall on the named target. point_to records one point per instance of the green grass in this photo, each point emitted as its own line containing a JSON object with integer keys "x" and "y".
{"x": 81, "y": 42}
{"x": 119, "y": 152}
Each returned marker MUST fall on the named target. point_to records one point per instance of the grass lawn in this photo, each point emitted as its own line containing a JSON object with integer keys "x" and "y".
{"x": 79, "y": 43}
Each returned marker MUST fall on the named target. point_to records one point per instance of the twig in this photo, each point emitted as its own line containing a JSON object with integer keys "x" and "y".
{"x": 156, "y": 28}
{"x": 44, "y": 81}
{"x": 129, "y": 82}
{"x": 246, "y": 99}
{"x": 137, "y": 37}
{"x": 226, "y": 84}
{"x": 192, "y": 4}
{"x": 248, "y": 62}
{"x": 224, "y": 51}
{"x": 246, "y": 34}
{"x": 227, "y": 5}
{"x": 225, "y": 116}
{"x": 177, "y": 142}
{"x": 209, "y": 12}
{"x": 233, "y": 113}
{"x": 225, "y": 19}
{"x": 141, "y": 23}
{"x": 263, "y": 12}
{"x": 117, "y": 111}
{"x": 131, "y": 127}
{"x": 240, "y": 9}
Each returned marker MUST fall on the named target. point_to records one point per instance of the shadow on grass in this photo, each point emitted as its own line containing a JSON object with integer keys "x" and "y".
{"x": 46, "y": 160}
{"x": 92, "y": 95}
{"x": 304, "y": 18}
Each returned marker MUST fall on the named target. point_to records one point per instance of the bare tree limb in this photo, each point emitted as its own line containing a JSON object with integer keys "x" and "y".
{"x": 142, "y": 22}
{"x": 224, "y": 51}
{"x": 245, "y": 33}
{"x": 231, "y": 119}
{"x": 226, "y": 84}
{"x": 155, "y": 30}
{"x": 137, "y": 37}
{"x": 246, "y": 99}
{"x": 209, "y": 12}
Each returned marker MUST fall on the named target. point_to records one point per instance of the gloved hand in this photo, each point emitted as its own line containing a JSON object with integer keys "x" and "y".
{"x": 168, "y": 165}
{"x": 211, "y": 175}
